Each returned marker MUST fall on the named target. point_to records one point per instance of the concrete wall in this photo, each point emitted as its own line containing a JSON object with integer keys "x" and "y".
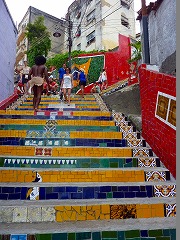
{"x": 7, "y": 52}
{"x": 162, "y": 32}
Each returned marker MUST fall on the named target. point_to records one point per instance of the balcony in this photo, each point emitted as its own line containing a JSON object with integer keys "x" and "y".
{"x": 20, "y": 53}
{"x": 21, "y": 35}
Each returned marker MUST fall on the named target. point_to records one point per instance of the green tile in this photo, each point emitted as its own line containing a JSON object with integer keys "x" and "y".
{"x": 59, "y": 236}
{"x": 173, "y": 234}
{"x": 121, "y": 235}
{"x": 155, "y": 233}
{"x": 71, "y": 236}
{"x": 44, "y": 236}
{"x": 103, "y": 145}
{"x": 83, "y": 236}
{"x": 109, "y": 195}
{"x": 96, "y": 236}
{"x": 109, "y": 235}
{"x": 166, "y": 232}
{"x": 1, "y": 162}
{"x": 132, "y": 234}
{"x": 114, "y": 165}
{"x": 135, "y": 162}
{"x": 104, "y": 163}
{"x": 163, "y": 238}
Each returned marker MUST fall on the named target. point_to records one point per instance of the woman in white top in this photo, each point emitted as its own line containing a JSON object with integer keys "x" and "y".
{"x": 104, "y": 80}
{"x": 67, "y": 85}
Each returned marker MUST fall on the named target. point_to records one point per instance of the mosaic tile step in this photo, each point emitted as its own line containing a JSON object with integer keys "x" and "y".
{"x": 26, "y": 103}
{"x": 58, "y": 113}
{"x": 68, "y": 134}
{"x": 64, "y": 116}
{"x": 63, "y": 128}
{"x": 59, "y": 140}
{"x": 55, "y": 98}
{"x": 84, "y": 212}
{"x": 62, "y": 106}
{"x": 26, "y": 175}
{"x": 155, "y": 234}
{"x": 147, "y": 162}
{"x": 54, "y": 123}
{"x": 32, "y": 151}
{"x": 86, "y": 192}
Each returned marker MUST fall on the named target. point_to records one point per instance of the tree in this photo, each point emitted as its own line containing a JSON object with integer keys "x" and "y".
{"x": 137, "y": 52}
{"x": 38, "y": 39}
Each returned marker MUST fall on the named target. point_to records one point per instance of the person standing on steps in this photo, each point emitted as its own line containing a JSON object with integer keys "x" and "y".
{"x": 82, "y": 81}
{"x": 38, "y": 73}
{"x": 61, "y": 71}
{"x": 67, "y": 85}
{"x": 104, "y": 80}
{"x": 24, "y": 71}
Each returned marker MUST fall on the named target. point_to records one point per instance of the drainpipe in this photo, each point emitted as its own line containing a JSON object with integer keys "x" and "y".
{"x": 145, "y": 33}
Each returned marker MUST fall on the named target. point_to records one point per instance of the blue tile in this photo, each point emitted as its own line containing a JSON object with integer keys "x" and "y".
{"x": 71, "y": 189}
{"x": 105, "y": 189}
{"x": 141, "y": 194}
{"x": 118, "y": 195}
{"x": 101, "y": 195}
{"x": 52, "y": 196}
{"x": 64, "y": 196}
{"x": 8, "y": 190}
{"x": 42, "y": 193}
{"x": 59, "y": 189}
{"x": 88, "y": 192}
{"x": 123, "y": 189}
{"x": 144, "y": 233}
{"x": 134, "y": 188}
{"x": 14, "y": 196}
{"x": 4, "y": 196}
{"x": 76, "y": 196}
{"x": 130, "y": 194}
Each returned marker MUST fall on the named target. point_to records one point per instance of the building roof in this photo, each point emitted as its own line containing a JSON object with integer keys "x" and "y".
{"x": 153, "y": 6}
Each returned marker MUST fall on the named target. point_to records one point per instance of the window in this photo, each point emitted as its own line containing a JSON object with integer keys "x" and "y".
{"x": 90, "y": 38}
{"x": 125, "y": 3}
{"x": 79, "y": 47}
{"x": 124, "y": 21}
{"x": 90, "y": 17}
{"x": 78, "y": 33}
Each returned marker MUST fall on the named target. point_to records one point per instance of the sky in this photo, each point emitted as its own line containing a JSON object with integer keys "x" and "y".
{"x": 56, "y": 8}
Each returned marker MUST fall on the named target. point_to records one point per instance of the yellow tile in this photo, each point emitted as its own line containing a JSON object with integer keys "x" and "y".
{"x": 105, "y": 209}
{"x": 59, "y": 217}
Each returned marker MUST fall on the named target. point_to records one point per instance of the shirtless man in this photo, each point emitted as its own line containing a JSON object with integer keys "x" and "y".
{"x": 38, "y": 73}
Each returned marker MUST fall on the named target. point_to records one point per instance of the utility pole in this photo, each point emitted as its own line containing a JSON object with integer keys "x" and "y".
{"x": 69, "y": 38}
{"x": 145, "y": 33}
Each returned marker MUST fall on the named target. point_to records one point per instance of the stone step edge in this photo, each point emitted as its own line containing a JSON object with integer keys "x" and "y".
{"x": 87, "y": 184}
{"x": 85, "y": 169}
{"x": 89, "y": 226}
{"x": 87, "y": 202}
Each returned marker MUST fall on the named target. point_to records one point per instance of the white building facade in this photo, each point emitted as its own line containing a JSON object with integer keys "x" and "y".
{"x": 97, "y": 23}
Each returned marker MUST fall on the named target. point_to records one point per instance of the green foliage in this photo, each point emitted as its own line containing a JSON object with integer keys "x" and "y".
{"x": 38, "y": 38}
{"x": 137, "y": 53}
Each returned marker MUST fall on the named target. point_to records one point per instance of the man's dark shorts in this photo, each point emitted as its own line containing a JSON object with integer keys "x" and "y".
{"x": 82, "y": 83}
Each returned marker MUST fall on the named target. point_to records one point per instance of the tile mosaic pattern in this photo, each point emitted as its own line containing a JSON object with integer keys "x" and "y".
{"x": 63, "y": 213}
{"x": 163, "y": 234}
{"x": 49, "y": 139}
{"x": 151, "y": 162}
{"x": 72, "y": 175}
{"x": 166, "y": 109}
{"x": 89, "y": 192}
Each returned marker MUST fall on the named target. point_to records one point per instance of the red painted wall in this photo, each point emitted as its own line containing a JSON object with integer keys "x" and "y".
{"x": 160, "y": 136}
{"x": 116, "y": 64}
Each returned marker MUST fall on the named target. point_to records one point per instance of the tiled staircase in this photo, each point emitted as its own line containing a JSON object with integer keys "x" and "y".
{"x": 80, "y": 172}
